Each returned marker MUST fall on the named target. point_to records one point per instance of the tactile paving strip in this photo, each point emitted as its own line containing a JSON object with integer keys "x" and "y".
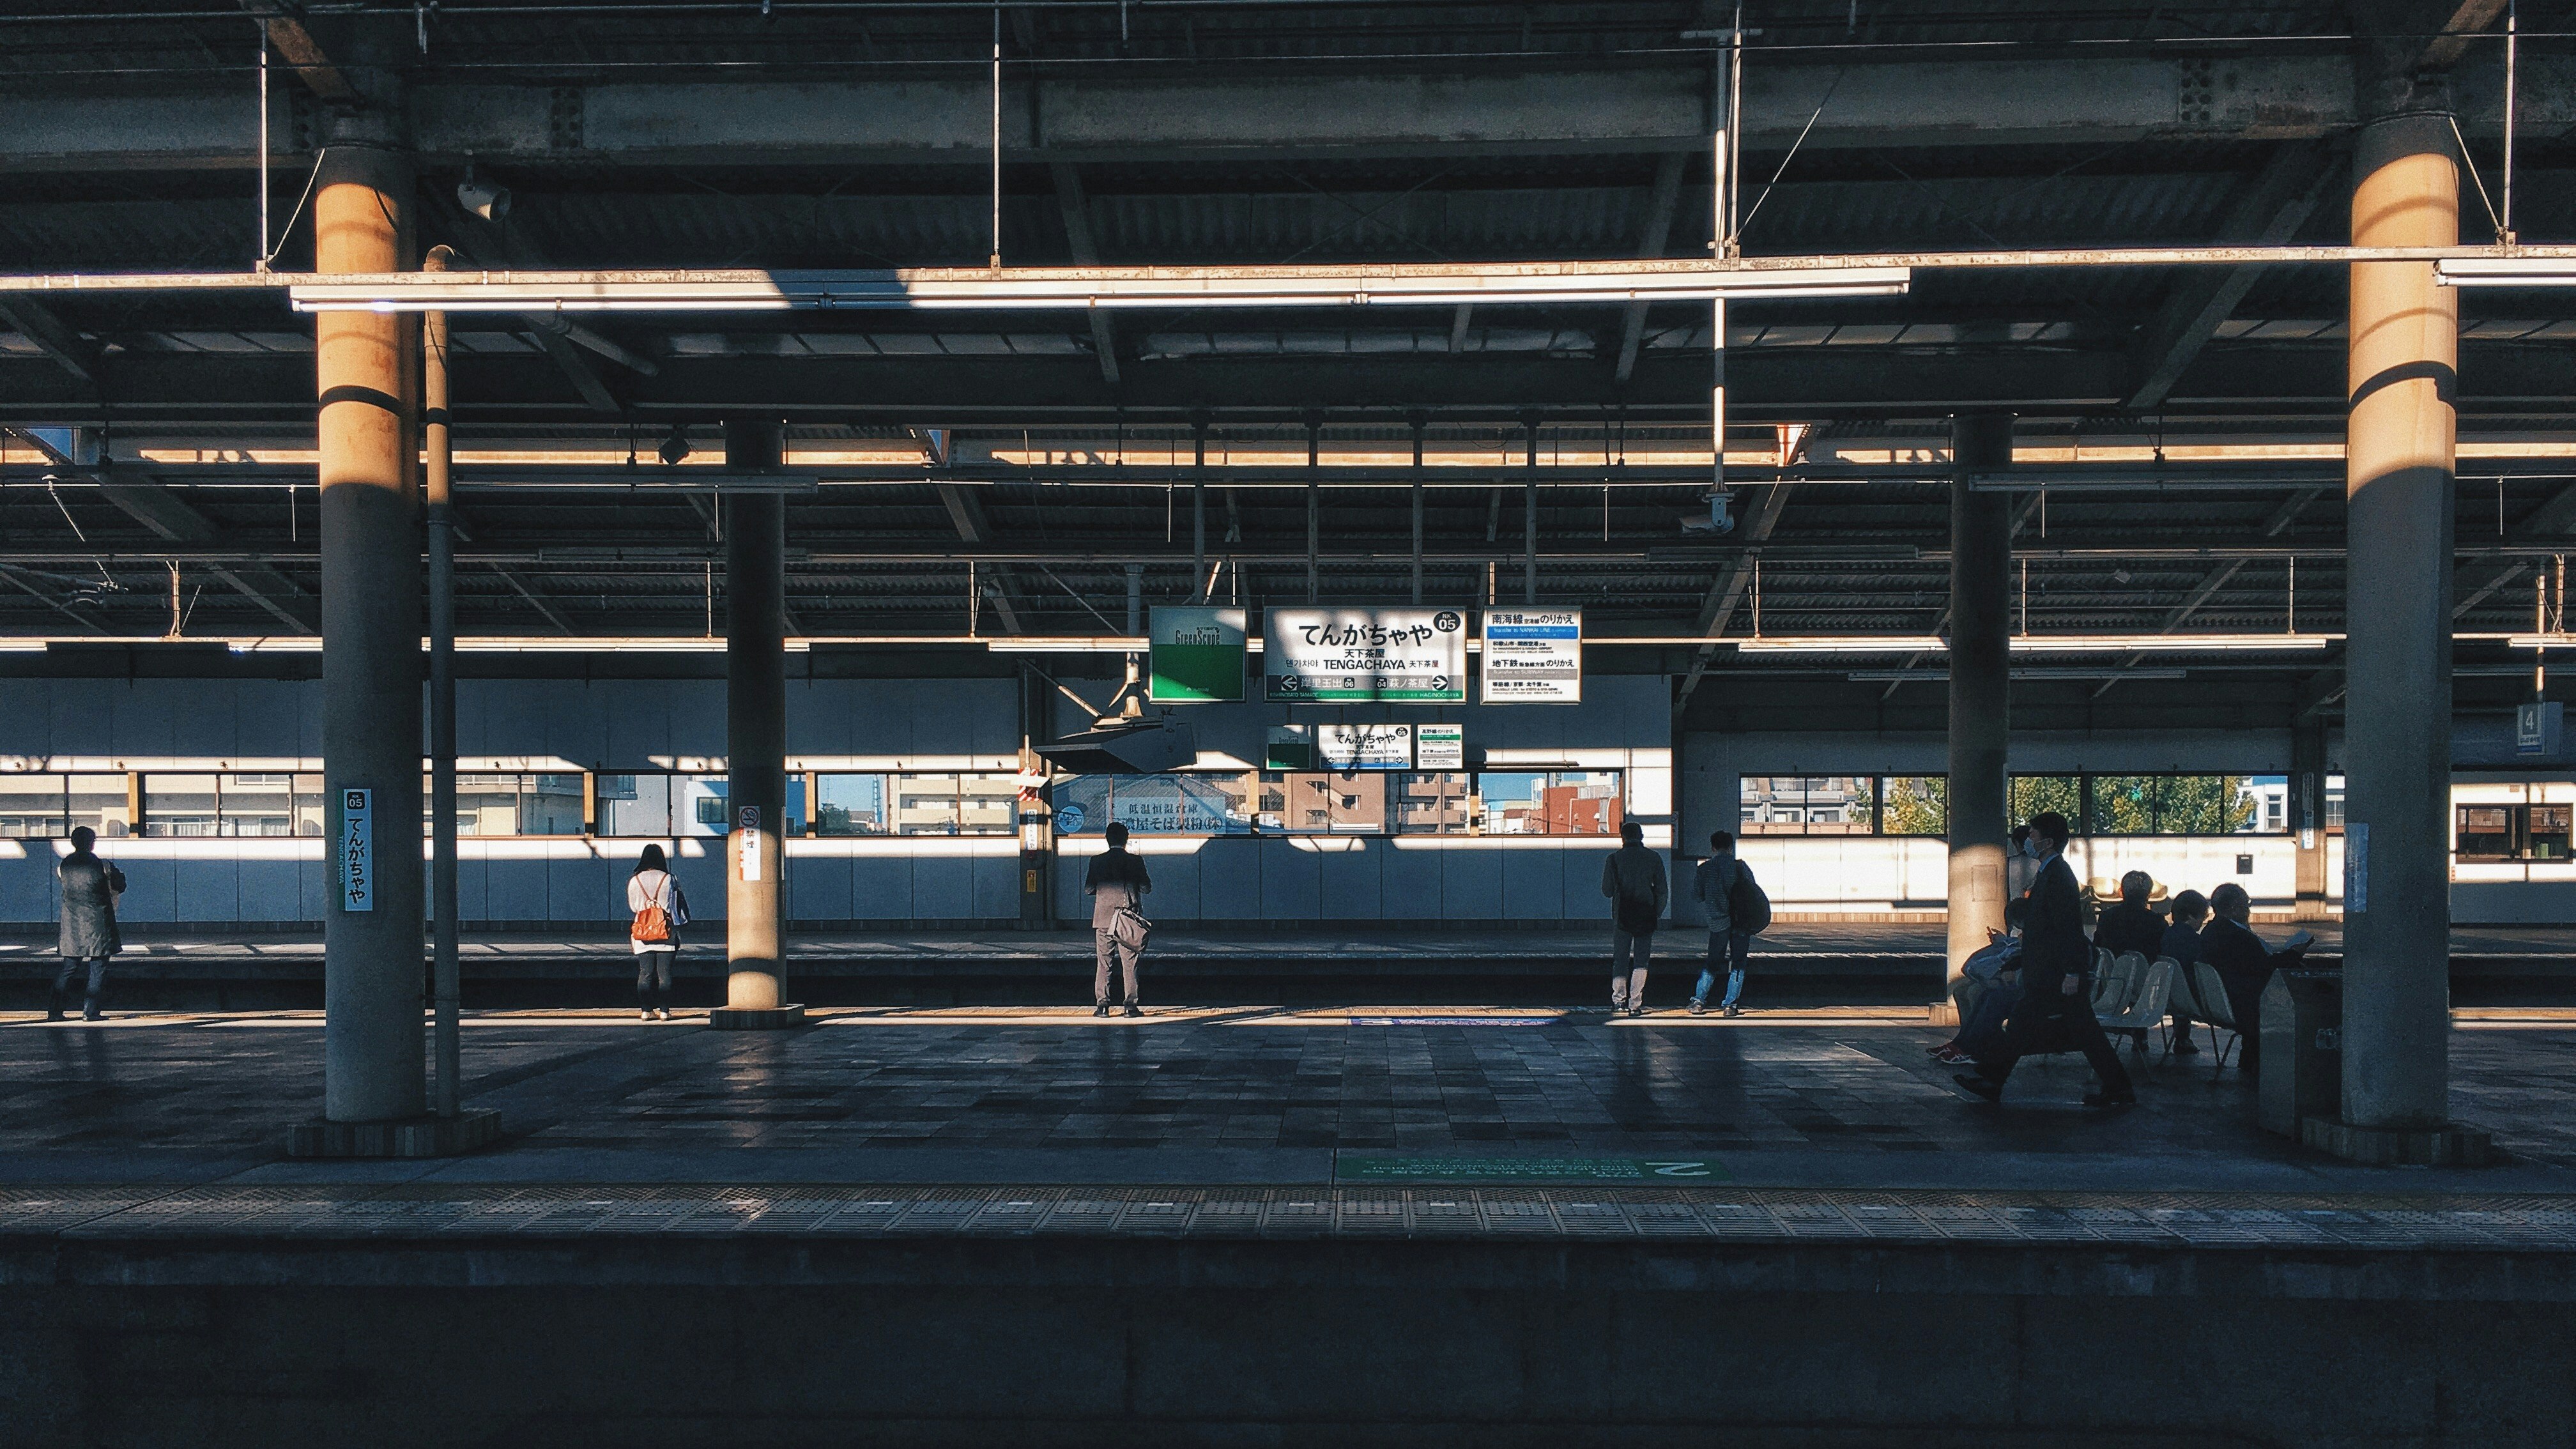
{"x": 1740, "y": 1216}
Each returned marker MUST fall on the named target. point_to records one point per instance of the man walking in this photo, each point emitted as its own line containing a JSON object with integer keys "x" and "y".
{"x": 1633, "y": 879}
{"x": 2056, "y": 967}
{"x": 90, "y": 887}
{"x": 1115, "y": 881}
{"x": 1713, "y": 886}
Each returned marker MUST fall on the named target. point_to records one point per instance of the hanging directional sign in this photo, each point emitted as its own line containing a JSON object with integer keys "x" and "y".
{"x": 1533, "y": 656}
{"x": 1365, "y": 655}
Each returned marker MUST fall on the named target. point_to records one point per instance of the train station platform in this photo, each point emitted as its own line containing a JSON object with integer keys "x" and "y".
{"x": 1284, "y": 1225}
{"x": 1801, "y": 963}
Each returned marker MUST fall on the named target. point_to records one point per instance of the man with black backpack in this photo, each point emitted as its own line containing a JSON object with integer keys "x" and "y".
{"x": 1633, "y": 879}
{"x": 1737, "y": 912}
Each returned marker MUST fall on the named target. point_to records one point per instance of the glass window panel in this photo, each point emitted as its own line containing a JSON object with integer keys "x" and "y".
{"x": 1916, "y": 805}
{"x": 1771, "y": 805}
{"x": 1839, "y": 804}
{"x": 796, "y": 804}
{"x": 2552, "y": 833}
{"x": 2268, "y": 797}
{"x": 1333, "y": 802}
{"x": 102, "y": 803}
{"x": 550, "y": 805}
{"x": 2334, "y": 804}
{"x": 2199, "y": 805}
{"x": 256, "y": 805}
{"x": 1082, "y": 804}
{"x": 485, "y": 804}
{"x": 634, "y": 805}
{"x": 308, "y": 804}
{"x": 851, "y": 805}
{"x": 1166, "y": 804}
{"x": 178, "y": 806}
{"x": 2125, "y": 804}
{"x": 698, "y": 805}
{"x": 988, "y": 804}
{"x": 1434, "y": 804}
{"x": 2484, "y": 832}
{"x": 31, "y": 806}
{"x": 1571, "y": 802}
{"x": 2031, "y": 795}
{"x": 925, "y": 804}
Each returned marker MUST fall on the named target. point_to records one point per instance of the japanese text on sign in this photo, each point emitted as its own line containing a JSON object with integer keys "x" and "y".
{"x": 357, "y": 850}
{"x": 1359, "y": 655}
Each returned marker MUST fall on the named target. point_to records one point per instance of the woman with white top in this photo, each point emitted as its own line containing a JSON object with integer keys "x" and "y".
{"x": 653, "y": 897}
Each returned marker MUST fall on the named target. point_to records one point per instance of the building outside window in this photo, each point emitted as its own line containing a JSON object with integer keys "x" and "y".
{"x": 201, "y": 806}
{"x": 1807, "y": 804}
{"x": 1435, "y": 804}
{"x": 1567, "y": 802}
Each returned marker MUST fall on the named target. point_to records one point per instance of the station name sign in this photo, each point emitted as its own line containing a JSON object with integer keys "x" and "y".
{"x": 1364, "y": 656}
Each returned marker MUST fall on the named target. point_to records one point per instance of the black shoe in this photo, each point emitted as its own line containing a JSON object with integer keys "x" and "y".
{"x": 2100, "y": 1099}
{"x": 1101, "y": 1010}
{"x": 54, "y": 1015}
{"x": 1135, "y": 1010}
{"x": 2185, "y": 1048}
{"x": 1992, "y": 1092}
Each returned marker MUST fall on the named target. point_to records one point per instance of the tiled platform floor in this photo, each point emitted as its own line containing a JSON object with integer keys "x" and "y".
{"x": 1825, "y": 1099}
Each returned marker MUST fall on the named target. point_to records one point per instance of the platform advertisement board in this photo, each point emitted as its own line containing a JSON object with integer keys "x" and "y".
{"x": 1361, "y": 655}
{"x": 1532, "y": 656}
{"x": 1197, "y": 655}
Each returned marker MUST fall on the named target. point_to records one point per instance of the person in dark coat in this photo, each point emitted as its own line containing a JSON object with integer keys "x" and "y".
{"x": 2245, "y": 965}
{"x": 90, "y": 887}
{"x": 2131, "y": 924}
{"x": 2056, "y": 972}
{"x": 1632, "y": 877}
{"x": 2182, "y": 943}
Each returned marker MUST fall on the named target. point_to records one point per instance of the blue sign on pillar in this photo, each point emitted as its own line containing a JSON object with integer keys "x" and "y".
{"x": 357, "y": 850}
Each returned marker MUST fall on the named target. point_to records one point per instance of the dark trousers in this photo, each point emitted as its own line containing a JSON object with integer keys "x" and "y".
{"x": 650, "y": 967}
{"x": 2028, "y": 1031}
{"x": 97, "y": 983}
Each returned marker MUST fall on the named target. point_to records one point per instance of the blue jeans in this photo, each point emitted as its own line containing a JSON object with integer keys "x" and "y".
{"x": 1732, "y": 948}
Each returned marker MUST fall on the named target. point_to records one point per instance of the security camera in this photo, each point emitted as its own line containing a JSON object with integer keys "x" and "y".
{"x": 1721, "y": 518}
{"x": 485, "y": 199}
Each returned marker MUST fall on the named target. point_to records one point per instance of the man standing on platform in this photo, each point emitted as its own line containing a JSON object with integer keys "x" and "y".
{"x": 2056, "y": 971}
{"x": 1116, "y": 882}
{"x": 89, "y": 935}
{"x": 1633, "y": 879}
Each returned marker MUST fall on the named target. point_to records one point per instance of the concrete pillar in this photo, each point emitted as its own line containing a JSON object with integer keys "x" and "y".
{"x": 437, "y": 457}
{"x": 365, "y": 372}
{"x": 1980, "y": 681}
{"x": 2307, "y": 819}
{"x": 755, "y": 734}
{"x": 2402, "y": 361}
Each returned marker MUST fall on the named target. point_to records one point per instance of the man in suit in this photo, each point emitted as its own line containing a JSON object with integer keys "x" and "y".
{"x": 2130, "y": 924}
{"x": 2245, "y": 964}
{"x": 1115, "y": 879}
{"x": 2056, "y": 971}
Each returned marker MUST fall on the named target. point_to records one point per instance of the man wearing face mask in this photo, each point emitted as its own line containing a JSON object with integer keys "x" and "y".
{"x": 2056, "y": 967}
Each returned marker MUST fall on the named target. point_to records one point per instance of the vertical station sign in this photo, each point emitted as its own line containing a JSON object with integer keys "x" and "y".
{"x": 747, "y": 836}
{"x": 1197, "y": 655}
{"x": 1364, "y": 656}
{"x": 1533, "y": 656}
{"x": 357, "y": 850}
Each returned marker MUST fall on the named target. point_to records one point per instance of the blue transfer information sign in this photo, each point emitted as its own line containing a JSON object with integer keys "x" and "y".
{"x": 357, "y": 850}
{"x": 1532, "y": 656}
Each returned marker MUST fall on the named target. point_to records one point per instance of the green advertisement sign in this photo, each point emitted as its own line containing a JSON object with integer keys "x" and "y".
{"x": 1197, "y": 655}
